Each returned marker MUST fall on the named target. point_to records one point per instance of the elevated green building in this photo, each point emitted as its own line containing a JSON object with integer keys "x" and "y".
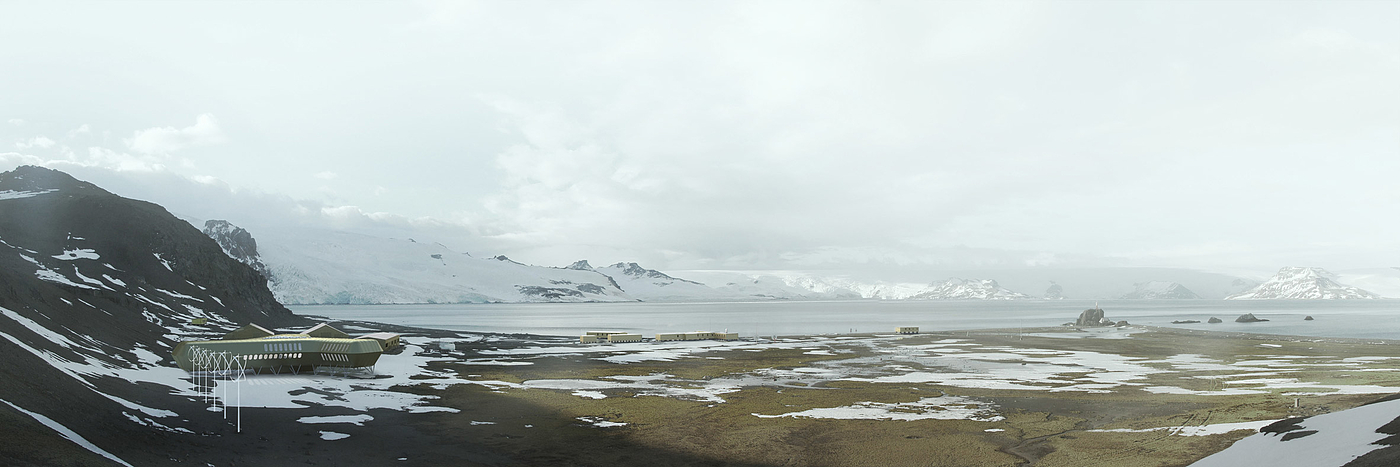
{"x": 262, "y": 350}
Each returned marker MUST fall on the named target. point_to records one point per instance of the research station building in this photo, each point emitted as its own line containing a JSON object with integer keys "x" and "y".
{"x": 260, "y": 349}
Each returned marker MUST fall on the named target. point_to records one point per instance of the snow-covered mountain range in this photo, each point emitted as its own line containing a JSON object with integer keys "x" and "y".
{"x": 1160, "y": 290}
{"x": 652, "y": 285}
{"x": 1303, "y": 283}
{"x": 330, "y": 267}
{"x": 967, "y": 289}
{"x": 1382, "y": 281}
{"x": 324, "y": 267}
{"x": 306, "y": 266}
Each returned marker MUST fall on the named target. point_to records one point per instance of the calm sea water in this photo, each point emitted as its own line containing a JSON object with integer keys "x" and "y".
{"x": 1344, "y": 318}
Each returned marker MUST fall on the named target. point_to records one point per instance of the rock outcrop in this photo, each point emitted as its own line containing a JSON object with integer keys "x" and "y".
{"x": 1214, "y": 320}
{"x": 1248, "y": 318}
{"x": 237, "y": 244}
{"x": 1093, "y": 317}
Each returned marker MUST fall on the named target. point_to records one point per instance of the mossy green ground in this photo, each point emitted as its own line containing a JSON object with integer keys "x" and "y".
{"x": 1044, "y": 428}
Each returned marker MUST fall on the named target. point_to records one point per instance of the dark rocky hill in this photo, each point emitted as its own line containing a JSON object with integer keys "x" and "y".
{"x": 92, "y": 284}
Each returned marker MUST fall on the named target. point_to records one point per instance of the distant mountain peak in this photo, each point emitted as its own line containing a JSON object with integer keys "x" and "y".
{"x": 636, "y": 270}
{"x": 1160, "y": 290}
{"x": 967, "y": 289}
{"x": 1303, "y": 283}
{"x": 580, "y": 265}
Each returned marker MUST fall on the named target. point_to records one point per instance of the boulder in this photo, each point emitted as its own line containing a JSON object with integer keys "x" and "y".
{"x": 1121, "y": 323}
{"x": 1092, "y": 317}
{"x": 1248, "y": 318}
{"x": 1308, "y": 318}
{"x": 1214, "y": 320}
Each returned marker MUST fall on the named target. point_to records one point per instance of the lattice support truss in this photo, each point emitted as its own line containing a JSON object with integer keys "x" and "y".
{"x": 208, "y": 369}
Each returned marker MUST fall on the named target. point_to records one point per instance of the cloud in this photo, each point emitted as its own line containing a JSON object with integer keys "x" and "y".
{"x": 95, "y": 156}
{"x": 13, "y": 159}
{"x": 81, "y": 130}
{"x": 326, "y": 175}
{"x": 771, "y": 134}
{"x": 16, "y": 121}
{"x": 163, "y": 140}
{"x": 37, "y": 141}
{"x": 120, "y": 161}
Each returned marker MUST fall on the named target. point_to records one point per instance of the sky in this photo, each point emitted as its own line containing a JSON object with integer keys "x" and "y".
{"x": 810, "y": 135}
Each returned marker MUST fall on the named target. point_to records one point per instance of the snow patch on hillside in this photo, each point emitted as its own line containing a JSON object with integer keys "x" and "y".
{"x": 14, "y": 194}
{"x": 1337, "y": 439}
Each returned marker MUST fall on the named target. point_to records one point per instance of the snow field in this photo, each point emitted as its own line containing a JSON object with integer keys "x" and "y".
{"x": 1339, "y": 438}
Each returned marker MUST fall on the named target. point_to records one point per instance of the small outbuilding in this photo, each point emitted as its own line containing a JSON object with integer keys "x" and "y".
{"x": 907, "y": 329}
{"x": 387, "y": 340}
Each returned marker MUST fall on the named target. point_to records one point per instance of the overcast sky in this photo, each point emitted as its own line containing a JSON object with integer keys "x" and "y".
{"x": 763, "y": 135}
